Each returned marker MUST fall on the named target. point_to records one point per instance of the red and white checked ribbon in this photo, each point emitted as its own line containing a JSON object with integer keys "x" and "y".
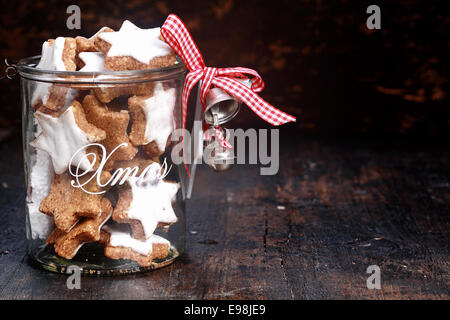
{"x": 180, "y": 40}
{"x": 223, "y": 142}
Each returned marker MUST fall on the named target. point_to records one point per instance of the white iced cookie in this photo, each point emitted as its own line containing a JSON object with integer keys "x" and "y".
{"x": 88, "y": 44}
{"x": 102, "y": 29}
{"x": 120, "y": 236}
{"x": 119, "y": 244}
{"x": 147, "y": 204}
{"x": 41, "y": 178}
{"x": 158, "y": 113}
{"x": 93, "y": 61}
{"x": 52, "y": 55}
{"x": 133, "y": 48}
{"x": 57, "y": 55}
{"x": 63, "y": 137}
{"x": 141, "y": 44}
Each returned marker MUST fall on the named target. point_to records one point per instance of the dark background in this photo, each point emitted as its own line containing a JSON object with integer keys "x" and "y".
{"x": 318, "y": 59}
{"x": 364, "y": 172}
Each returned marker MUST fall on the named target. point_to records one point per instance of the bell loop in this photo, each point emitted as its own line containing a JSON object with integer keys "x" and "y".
{"x": 216, "y": 120}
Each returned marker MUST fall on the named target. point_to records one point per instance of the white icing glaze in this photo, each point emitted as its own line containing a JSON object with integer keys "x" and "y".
{"x": 41, "y": 176}
{"x": 141, "y": 44}
{"x": 158, "y": 111}
{"x": 61, "y": 138}
{"x": 41, "y": 93}
{"x": 101, "y": 29}
{"x": 120, "y": 237}
{"x": 128, "y": 26}
{"x": 152, "y": 200}
{"x": 94, "y": 61}
{"x": 70, "y": 96}
{"x": 51, "y": 59}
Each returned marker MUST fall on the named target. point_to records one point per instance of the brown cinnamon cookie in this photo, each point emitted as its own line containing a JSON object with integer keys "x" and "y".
{"x": 115, "y": 124}
{"x": 67, "y": 204}
{"x": 67, "y": 244}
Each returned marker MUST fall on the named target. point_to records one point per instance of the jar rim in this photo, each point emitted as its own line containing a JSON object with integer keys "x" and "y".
{"x": 27, "y": 69}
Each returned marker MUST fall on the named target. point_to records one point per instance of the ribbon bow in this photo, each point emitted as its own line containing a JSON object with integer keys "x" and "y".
{"x": 180, "y": 40}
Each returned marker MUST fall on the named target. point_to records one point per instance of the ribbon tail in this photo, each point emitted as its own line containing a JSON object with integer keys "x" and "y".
{"x": 191, "y": 79}
{"x": 258, "y": 105}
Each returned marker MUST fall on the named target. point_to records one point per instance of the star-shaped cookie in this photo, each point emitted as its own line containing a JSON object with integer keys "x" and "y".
{"x": 67, "y": 204}
{"x": 133, "y": 48}
{"x": 147, "y": 204}
{"x": 92, "y": 61}
{"x": 139, "y": 162}
{"x": 153, "y": 119}
{"x": 63, "y": 136}
{"x": 57, "y": 55}
{"x": 88, "y": 44}
{"x": 89, "y": 230}
{"x": 115, "y": 124}
{"x": 119, "y": 244}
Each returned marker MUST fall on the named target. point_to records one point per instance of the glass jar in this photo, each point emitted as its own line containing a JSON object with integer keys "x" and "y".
{"x": 102, "y": 191}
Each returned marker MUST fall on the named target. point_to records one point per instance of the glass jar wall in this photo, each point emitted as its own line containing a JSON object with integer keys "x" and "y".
{"x": 102, "y": 191}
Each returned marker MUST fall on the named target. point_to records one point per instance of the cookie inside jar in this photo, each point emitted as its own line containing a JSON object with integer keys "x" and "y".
{"x": 102, "y": 191}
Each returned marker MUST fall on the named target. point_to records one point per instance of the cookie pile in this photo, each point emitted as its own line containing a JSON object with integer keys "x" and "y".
{"x": 123, "y": 218}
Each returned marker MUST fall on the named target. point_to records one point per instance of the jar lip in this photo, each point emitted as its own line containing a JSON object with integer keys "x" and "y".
{"x": 27, "y": 69}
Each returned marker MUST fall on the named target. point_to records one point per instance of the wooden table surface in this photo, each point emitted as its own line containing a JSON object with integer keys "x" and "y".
{"x": 310, "y": 232}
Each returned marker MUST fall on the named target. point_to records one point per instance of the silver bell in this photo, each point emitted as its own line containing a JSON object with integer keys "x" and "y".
{"x": 222, "y": 105}
{"x": 221, "y": 159}
{"x": 220, "y": 108}
{"x": 218, "y": 157}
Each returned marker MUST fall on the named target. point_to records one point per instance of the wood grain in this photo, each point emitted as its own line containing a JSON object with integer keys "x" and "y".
{"x": 347, "y": 204}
